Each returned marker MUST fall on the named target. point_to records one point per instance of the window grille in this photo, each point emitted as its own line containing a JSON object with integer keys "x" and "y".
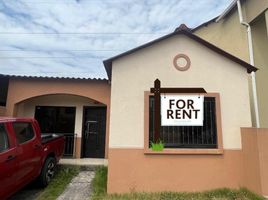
{"x": 188, "y": 136}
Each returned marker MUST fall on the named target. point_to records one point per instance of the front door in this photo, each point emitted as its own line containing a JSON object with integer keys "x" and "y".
{"x": 94, "y": 131}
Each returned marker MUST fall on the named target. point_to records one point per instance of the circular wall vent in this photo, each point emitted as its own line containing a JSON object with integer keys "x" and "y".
{"x": 181, "y": 62}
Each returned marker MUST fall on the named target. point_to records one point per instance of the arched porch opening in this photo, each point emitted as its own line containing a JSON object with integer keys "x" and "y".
{"x": 69, "y": 114}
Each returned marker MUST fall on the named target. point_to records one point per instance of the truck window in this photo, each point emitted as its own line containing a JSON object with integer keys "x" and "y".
{"x": 24, "y": 131}
{"x": 4, "y": 144}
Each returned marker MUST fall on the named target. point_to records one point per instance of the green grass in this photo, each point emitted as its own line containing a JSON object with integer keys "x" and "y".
{"x": 63, "y": 177}
{"x": 99, "y": 183}
{"x": 100, "y": 188}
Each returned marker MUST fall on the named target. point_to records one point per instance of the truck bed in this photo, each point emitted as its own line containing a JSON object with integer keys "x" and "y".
{"x": 48, "y": 137}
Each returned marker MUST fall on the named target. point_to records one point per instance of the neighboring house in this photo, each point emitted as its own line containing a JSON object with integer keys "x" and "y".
{"x": 227, "y": 33}
{"x": 77, "y": 108}
{"x": 217, "y": 154}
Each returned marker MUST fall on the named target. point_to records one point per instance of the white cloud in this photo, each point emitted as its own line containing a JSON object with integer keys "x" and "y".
{"x": 81, "y": 55}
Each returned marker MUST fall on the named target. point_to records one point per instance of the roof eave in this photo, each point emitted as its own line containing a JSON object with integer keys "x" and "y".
{"x": 227, "y": 10}
{"x": 108, "y": 63}
{"x": 204, "y": 24}
{"x": 52, "y": 77}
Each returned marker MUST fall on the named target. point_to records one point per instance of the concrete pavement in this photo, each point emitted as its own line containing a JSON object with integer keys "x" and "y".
{"x": 79, "y": 188}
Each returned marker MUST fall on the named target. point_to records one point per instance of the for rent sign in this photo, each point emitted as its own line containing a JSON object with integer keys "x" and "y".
{"x": 182, "y": 110}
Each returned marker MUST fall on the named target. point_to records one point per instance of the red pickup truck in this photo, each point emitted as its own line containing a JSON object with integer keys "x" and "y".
{"x": 26, "y": 154}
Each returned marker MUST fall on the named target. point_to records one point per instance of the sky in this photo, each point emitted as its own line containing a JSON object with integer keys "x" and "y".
{"x": 71, "y": 38}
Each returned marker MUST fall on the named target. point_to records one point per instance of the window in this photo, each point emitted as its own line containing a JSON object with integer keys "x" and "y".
{"x": 54, "y": 119}
{"x": 4, "y": 144}
{"x": 188, "y": 136}
{"x": 24, "y": 131}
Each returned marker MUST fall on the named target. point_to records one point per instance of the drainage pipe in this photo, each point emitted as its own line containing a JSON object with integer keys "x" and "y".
{"x": 251, "y": 58}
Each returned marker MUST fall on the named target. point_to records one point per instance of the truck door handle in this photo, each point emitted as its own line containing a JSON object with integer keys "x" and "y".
{"x": 9, "y": 158}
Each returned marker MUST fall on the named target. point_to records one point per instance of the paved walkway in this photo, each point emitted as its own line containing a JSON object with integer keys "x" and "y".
{"x": 79, "y": 188}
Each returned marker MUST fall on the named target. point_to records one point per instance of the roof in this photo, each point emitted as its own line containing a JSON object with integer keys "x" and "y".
{"x": 227, "y": 10}
{"x": 204, "y": 24}
{"x": 51, "y": 77}
{"x": 182, "y": 30}
{"x": 218, "y": 18}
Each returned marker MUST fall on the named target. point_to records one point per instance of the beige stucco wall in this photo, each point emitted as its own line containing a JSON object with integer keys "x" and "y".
{"x": 254, "y": 8}
{"x": 27, "y": 108}
{"x": 260, "y": 45}
{"x": 227, "y": 34}
{"x": 135, "y": 73}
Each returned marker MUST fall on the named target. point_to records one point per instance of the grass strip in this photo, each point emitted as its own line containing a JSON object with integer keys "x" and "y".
{"x": 99, "y": 188}
{"x": 63, "y": 177}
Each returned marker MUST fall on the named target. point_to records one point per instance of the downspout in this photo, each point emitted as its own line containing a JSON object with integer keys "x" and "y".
{"x": 251, "y": 59}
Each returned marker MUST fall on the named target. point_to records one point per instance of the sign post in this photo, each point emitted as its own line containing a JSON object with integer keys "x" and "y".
{"x": 157, "y": 117}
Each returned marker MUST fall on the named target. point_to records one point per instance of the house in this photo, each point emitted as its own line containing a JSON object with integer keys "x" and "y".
{"x": 76, "y": 107}
{"x": 228, "y": 33}
{"x": 217, "y": 154}
{"x": 120, "y": 118}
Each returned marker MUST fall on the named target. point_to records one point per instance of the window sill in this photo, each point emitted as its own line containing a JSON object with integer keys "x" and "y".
{"x": 168, "y": 151}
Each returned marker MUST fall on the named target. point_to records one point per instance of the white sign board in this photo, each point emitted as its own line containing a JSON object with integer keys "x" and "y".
{"x": 182, "y": 110}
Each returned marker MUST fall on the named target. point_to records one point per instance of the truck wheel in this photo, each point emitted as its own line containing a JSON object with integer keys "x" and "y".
{"x": 47, "y": 172}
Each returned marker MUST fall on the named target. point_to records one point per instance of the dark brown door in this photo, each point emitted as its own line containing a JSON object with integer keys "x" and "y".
{"x": 94, "y": 129}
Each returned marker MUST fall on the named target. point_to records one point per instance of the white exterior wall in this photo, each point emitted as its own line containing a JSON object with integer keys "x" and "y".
{"x": 27, "y": 108}
{"x": 135, "y": 73}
